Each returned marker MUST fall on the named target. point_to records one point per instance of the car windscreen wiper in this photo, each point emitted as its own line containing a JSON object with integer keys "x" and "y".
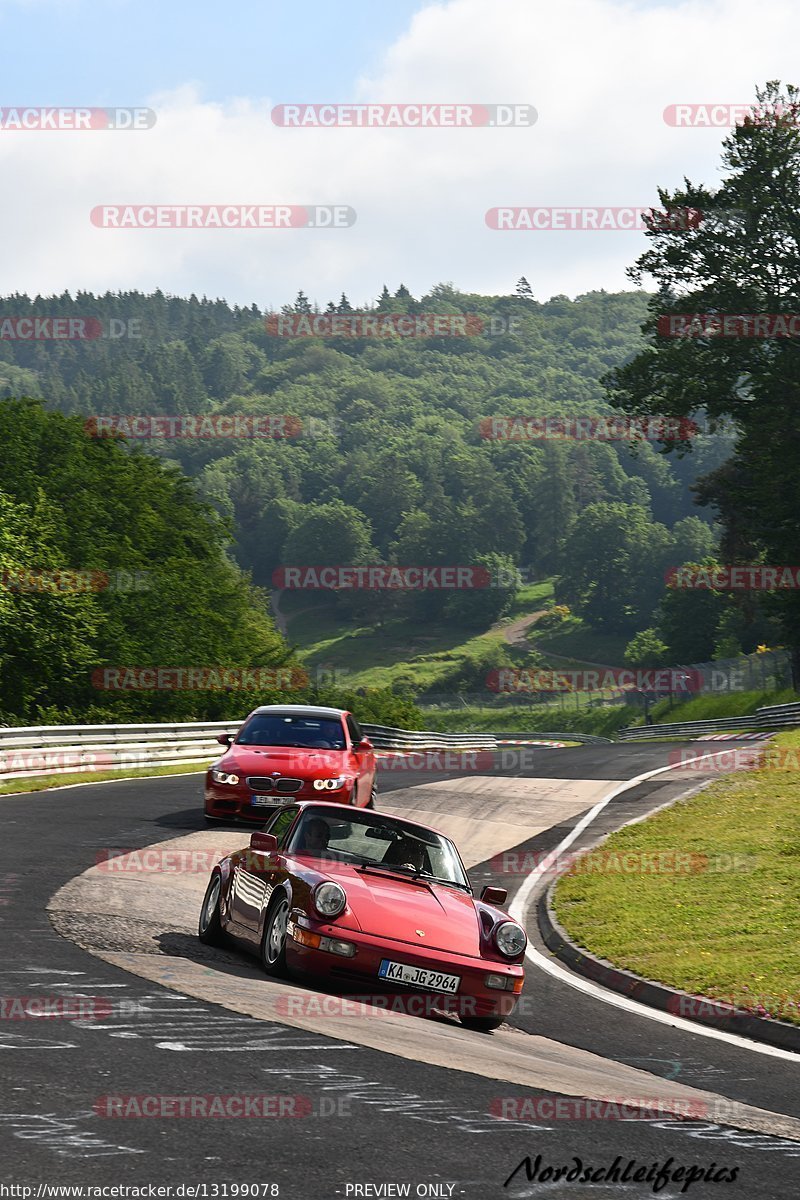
{"x": 464, "y": 887}
{"x": 391, "y": 869}
{"x": 417, "y": 876}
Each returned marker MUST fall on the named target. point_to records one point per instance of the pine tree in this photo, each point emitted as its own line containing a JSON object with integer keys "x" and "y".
{"x": 524, "y": 290}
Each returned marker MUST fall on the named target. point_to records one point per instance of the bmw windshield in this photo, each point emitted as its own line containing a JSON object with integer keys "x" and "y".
{"x": 292, "y": 729}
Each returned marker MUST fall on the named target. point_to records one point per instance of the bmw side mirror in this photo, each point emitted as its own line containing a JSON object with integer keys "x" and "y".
{"x": 225, "y": 739}
{"x": 364, "y": 744}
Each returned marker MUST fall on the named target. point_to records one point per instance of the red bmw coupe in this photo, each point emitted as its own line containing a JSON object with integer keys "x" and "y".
{"x": 368, "y": 899}
{"x": 287, "y": 750}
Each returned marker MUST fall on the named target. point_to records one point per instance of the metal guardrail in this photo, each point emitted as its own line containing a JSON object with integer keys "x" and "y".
{"x": 36, "y": 750}
{"x": 776, "y": 716}
{"x": 383, "y": 737}
{"x": 532, "y": 737}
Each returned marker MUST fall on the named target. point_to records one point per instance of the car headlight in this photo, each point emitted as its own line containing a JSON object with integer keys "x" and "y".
{"x": 329, "y": 785}
{"x": 329, "y": 899}
{"x": 511, "y": 939}
{"x": 223, "y": 776}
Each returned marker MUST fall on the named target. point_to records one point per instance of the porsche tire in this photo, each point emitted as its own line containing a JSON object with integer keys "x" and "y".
{"x": 209, "y": 928}
{"x": 273, "y": 939}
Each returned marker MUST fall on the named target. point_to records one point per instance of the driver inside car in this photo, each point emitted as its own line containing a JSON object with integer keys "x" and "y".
{"x": 316, "y": 834}
{"x": 407, "y": 852}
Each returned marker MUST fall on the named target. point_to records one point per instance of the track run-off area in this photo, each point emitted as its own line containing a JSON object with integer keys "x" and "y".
{"x": 372, "y": 1098}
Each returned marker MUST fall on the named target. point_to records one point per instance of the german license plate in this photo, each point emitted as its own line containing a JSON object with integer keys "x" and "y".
{"x": 421, "y": 977}
{"x": 264, "y": 801}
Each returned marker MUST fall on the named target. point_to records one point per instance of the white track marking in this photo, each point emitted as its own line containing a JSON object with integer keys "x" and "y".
{"x": 518, "y": 911}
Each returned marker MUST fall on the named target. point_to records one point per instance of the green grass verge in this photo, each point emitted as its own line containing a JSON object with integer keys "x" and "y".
{"x": 729, "y": 935}
{"x": 14, "y": 787}
{"x": 538, "y": 719}
{"x": 579, "y": 642}
{"x": 707, "y": 707}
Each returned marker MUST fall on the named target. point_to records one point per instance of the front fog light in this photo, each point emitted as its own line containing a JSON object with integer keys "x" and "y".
{"x": 500, "y": 983}
{"x": 336, "y": 946}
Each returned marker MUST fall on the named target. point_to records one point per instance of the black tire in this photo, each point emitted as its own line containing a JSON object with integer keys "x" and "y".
{"x": 273, "y": 940}
{"x": 209, "y": 928}
{"x": 373, "y": 796}
{"x": 481, "y": 1024}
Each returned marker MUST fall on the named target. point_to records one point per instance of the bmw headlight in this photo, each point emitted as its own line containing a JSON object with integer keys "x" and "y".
{"x": 329, "y": 785}
{"x": 511, "y": 939}
{"x": 223, "y": 776}
{"x": 329, "y": 899}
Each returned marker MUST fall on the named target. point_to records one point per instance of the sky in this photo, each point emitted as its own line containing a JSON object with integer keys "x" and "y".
{"x": 599, "y": 74}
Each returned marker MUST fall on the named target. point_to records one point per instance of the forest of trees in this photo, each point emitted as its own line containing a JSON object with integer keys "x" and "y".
{"x": 386, "y": 462}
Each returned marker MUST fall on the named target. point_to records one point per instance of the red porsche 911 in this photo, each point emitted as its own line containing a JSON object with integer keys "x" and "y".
{"x": 365, "y": 898}
{"x": 287, "y": 750}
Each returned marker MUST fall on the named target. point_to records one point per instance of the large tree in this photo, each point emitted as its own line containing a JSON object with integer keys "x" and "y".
{"x": 737, "y": 254}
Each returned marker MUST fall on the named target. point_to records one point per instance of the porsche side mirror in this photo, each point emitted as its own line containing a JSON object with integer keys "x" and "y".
{"x": 494, "y": 895}
{"x": 364, "y": 744}
{"x": 225, "y": 739}
{"x": 264, "y": 843}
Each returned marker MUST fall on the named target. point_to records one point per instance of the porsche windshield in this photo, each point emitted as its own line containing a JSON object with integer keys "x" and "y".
{"x": 292, "y": 729}
{"x": 373, "y": 840}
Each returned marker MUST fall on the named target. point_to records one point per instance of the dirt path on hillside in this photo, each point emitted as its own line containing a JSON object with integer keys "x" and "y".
{"x": 275, "y": 605}
{"x": 514, "y": 632}
{"x": 514, "y": 635}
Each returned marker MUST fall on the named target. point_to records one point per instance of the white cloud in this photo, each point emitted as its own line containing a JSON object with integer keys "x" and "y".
{"x": 600, "y": 73}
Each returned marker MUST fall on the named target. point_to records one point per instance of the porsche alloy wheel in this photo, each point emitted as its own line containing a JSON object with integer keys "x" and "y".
{"x": 273, "y": 942}
{"x": 209, "y": 929}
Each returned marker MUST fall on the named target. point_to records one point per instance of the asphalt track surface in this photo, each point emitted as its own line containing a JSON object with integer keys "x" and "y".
{"x": 369, "y": 1118}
